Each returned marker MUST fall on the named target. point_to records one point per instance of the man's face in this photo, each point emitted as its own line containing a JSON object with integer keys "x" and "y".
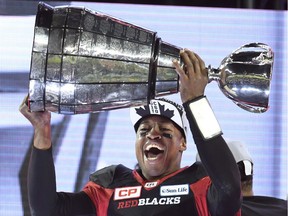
{"x": 159, "y": 146}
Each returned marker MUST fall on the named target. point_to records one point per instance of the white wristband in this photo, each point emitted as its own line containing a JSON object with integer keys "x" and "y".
{"x": 205, "y": 118}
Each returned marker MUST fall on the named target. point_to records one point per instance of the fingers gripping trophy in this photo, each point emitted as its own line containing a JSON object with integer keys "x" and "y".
{"x": 85, "y": 61}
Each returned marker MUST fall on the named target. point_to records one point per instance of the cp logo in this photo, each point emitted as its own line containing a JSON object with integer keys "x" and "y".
{"x": 127, "y": 192}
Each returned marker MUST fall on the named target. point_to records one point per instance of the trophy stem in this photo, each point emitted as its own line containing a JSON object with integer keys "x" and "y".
{"x": 213, "y": 74}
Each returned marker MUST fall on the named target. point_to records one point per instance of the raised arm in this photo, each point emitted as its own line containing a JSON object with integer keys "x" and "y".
{"x": 43, "y": 198}
{"x": 224, "y": 195}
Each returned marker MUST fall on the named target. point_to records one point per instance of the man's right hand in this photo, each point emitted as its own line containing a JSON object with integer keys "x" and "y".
{"x": 41, "y": 122}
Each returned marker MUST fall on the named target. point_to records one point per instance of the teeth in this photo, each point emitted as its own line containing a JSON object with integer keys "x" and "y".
{"x": 152, "y": 158}
{"x": 148, "y": 147}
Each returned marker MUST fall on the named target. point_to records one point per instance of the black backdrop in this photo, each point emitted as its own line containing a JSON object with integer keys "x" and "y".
{"x": 19, "y": 7}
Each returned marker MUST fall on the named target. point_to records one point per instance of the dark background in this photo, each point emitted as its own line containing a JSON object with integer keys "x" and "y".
{"x": 256, "y": 4}
{"x": 12, "y": 7}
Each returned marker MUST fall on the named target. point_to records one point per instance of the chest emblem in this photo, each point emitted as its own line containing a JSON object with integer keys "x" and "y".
{"x": 127, "y": 192}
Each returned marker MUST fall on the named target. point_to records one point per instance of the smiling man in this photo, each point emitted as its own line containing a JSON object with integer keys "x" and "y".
{"x": 160, "y": 187}
{"x": 160, "y": 138}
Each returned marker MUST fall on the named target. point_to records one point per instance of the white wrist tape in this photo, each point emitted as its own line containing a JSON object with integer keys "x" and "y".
{"x": 205, "y": 118}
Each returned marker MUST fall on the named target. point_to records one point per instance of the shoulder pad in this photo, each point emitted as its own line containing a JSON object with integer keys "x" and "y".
{"x": 110, "y": 176}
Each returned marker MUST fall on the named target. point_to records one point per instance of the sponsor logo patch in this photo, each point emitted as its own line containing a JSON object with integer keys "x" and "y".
{"x": 174, "y": 190}
{"x": 150, "y": 184}
{"x": 127, "y": 192}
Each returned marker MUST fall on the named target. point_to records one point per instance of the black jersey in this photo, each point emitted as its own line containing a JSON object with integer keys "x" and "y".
{"x": 263, "y": 206}
{"x": 117, "y": 190}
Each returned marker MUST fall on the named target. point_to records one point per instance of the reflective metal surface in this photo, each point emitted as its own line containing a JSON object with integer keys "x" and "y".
{"x": 84, "y": 61}
{"x": 244, "y": 76}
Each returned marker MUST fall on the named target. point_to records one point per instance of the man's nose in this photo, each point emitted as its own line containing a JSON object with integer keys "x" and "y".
{"x": 154, "y": 133}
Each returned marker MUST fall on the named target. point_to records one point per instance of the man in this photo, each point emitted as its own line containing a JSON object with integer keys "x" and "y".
{"x": 253, "y": 205}
{"x": 160, "y": 186}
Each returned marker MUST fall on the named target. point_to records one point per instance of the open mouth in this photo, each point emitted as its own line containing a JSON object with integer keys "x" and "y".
{"x": 153, "y": 152}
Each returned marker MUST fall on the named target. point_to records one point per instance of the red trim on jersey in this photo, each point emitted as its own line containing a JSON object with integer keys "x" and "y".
{"x": 100, "y": 197}
{"x": 200, "y": 189}
{"x": 238, "y": 213}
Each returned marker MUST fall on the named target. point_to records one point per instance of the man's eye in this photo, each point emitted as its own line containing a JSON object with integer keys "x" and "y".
{"x": 167, "y": 135}
{"x": 143, "y": 132}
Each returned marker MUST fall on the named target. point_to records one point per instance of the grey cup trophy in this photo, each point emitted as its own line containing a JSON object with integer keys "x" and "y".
{"x": 85, "y": 61}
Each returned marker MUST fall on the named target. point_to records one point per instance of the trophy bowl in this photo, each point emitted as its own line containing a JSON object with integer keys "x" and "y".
{"x": 244, "y": 76}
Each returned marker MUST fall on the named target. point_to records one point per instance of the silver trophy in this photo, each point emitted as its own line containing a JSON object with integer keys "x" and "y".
{"x": 85, "y": 61}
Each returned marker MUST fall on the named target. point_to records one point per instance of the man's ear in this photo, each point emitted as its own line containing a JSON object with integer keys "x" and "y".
{"x": 183, "y": 145}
